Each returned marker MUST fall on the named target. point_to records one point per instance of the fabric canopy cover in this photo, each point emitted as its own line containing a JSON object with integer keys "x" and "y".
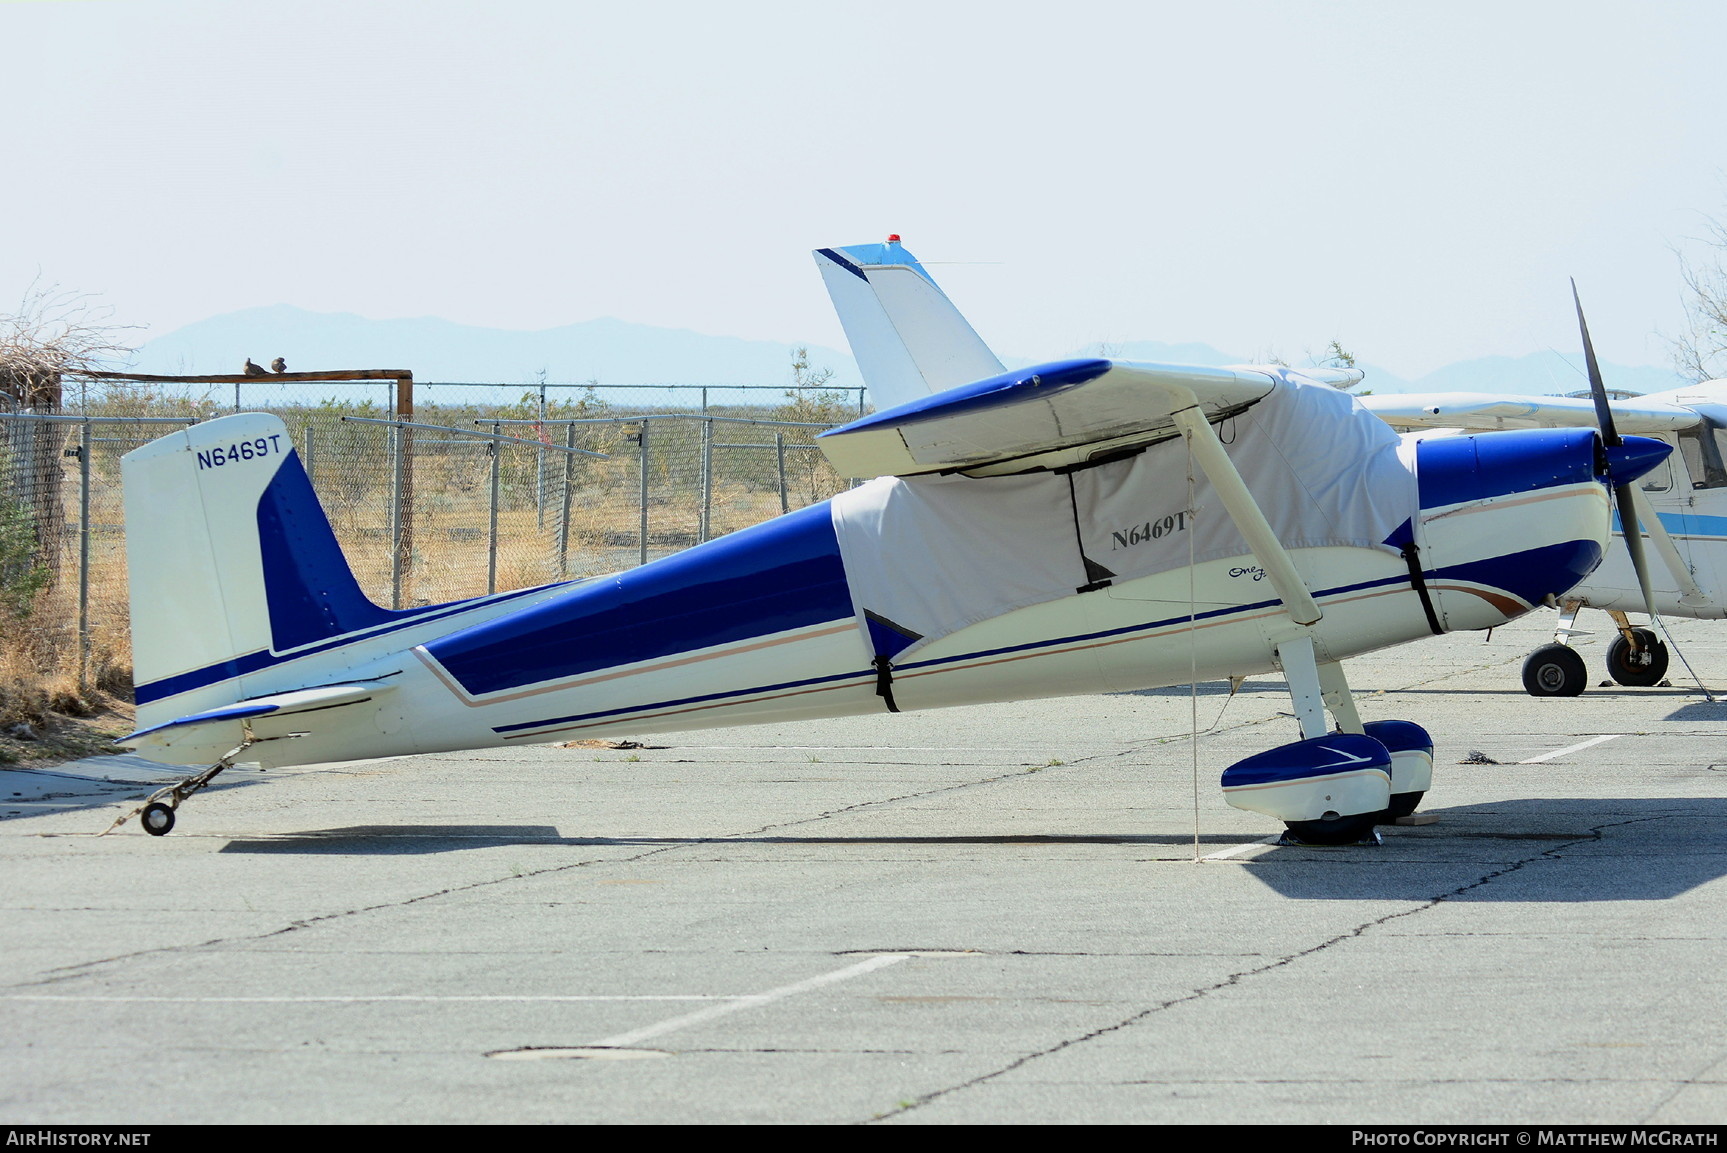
{"x": 935, "y": 554}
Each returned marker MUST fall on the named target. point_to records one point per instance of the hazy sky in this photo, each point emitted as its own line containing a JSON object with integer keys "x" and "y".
{"x": 1415, "y": 180}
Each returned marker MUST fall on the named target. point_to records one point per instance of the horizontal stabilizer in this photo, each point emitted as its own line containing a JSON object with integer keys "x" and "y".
{"x": 1481, "y": 411}
{"x": 1046, "y": 416}
{"x": 276, "y": 704}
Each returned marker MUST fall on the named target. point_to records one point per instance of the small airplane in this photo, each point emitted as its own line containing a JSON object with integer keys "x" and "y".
{"x": 1681, "y": 506}
{"x": 1081, "y": 526}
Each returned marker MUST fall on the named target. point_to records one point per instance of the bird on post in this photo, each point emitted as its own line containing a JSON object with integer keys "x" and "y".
{"x": 252, "y": 369}
{"x": 278, "y": 365}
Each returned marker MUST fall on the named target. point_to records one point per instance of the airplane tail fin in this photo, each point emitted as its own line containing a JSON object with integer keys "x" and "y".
{"x": 231, "y": 557}
{"x": 908, "y": 338}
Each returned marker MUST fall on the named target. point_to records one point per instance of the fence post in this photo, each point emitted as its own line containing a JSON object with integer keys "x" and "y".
{"x": 540, "y": 462}
{"x": 397, "y": 456}
{"x": 564, "y": 519}
{"x": 402, "y": 565}
{"x": 705, "y": 524}
{"x": 311, "y": 458}
{"x": 84, "y": 556}
{"x": 492, "y": 529}
{"x": 643, "y": 441}
{"x": 779, "y": 453}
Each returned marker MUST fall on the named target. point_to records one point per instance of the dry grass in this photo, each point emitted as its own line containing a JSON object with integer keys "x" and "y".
{"x": 48, "y": 714}
{"x": 39, "y": 662}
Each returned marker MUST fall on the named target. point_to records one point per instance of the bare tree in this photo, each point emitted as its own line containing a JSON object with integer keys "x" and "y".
{"x": 53, "y": 334}
{"x": 1700, "y": 352}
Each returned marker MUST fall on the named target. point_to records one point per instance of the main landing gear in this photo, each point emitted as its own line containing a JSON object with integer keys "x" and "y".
{"x": 1333, "y": 788}
{"x": 1636, "y": 658}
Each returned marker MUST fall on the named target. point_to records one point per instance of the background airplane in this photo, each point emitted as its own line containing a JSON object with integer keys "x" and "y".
{"x": 1682, "y": 510}
{"x": 1081, "y": 526}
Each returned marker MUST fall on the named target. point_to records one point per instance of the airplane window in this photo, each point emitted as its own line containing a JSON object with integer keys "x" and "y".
{"x": 1701, "y": 449}
{"x": 1660, "y": 478}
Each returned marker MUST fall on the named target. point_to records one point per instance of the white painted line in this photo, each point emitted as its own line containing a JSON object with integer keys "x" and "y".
{"x": 358, "y": 1000}
{"x": 1225, "y": 854}
{"x": 749, "y": 1002}
{"x": 1571, "y": 749}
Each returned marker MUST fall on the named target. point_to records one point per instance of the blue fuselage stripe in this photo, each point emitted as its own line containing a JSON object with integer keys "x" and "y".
{"x": 1684, "y": 524}
{"x": 1532, "y": 574}
{"x": 253, "y": 662}
{"x": 777, "y": 576}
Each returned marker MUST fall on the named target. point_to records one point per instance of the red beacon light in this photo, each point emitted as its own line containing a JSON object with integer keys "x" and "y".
{"x": 893, "y": 238}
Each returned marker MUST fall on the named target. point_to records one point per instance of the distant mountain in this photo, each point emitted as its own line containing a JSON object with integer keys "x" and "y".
{"x": 611, "y": 351}
{"x": 1542, "y": 374}
{"x": 619, "y": 352}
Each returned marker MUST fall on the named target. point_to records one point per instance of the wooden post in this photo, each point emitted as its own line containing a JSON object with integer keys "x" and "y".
{"x": 36, "y": 447}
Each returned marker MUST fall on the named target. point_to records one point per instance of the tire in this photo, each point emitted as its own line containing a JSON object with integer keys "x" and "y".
{"x": 1623, "y": 662}
{"x": 1554, "y": 671}
{"x": 157, "y": 819}
{"x": 1337, "y": 831}
{"x": 1402, "y": 804}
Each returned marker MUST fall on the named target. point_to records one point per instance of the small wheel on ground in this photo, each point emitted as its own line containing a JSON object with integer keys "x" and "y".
{"x": 1640, "y": 667}
{"x": 1554, "y": 671}
{"x": 1336, "y": 831}
{"x": 1402, "y": 804}
{"x": 157, "y": 819}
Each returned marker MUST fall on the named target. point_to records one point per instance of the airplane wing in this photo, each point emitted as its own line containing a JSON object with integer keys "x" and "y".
{"x": 275, "y": 704}
{"x": 1046, "y": 416}
{"x": 1486, "y": 412}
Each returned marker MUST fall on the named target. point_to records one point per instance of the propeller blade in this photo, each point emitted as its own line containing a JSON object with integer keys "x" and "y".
{"x": 1624, "y": 498}
{"x": 1597, "y": 388}
{"x": 1627, "y": 499}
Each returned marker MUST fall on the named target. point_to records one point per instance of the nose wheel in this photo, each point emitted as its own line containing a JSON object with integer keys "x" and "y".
{"x": 1554, "y": 671}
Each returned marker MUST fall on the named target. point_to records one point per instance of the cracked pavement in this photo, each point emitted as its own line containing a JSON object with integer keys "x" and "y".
{"x": 991, "y": 914}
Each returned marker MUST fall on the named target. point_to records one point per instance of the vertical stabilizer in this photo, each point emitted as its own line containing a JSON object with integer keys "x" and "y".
{"x": 230, "y": 556}
{"x": 908, "y": 338}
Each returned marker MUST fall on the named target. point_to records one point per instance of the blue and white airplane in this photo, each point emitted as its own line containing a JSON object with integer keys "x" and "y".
{"x": 1082, "y": 526}
{"x": 1681, "y": 508}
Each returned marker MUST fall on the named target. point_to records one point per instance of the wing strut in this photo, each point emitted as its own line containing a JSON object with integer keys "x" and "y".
{"x": 1243, "y": 509}
{"x": 1690, "y": 594}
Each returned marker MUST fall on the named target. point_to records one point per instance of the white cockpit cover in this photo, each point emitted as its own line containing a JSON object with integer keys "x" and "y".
{"x": 936, "y": 554}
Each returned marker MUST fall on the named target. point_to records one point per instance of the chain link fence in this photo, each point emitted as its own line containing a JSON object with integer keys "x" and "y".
{"x": 487, "y": 488}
